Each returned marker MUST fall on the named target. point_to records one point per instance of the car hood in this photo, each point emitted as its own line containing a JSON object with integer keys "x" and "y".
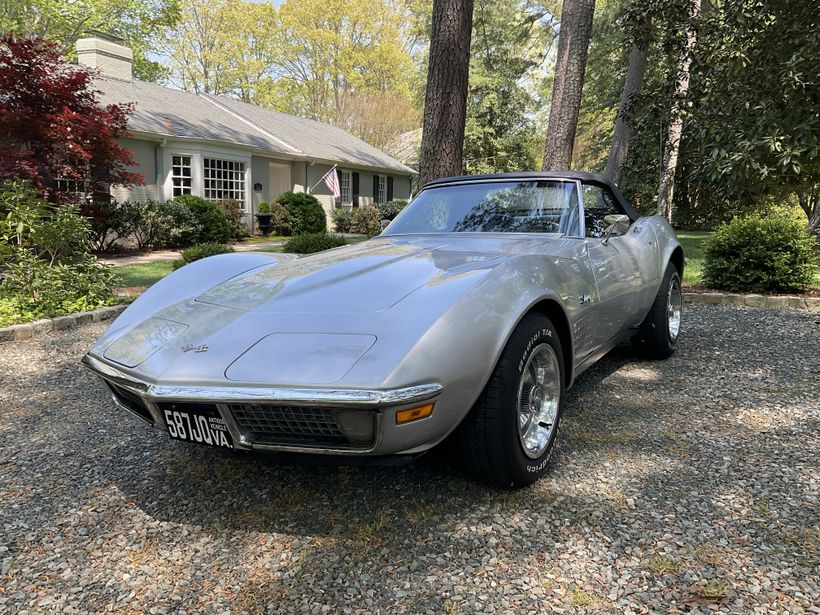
{"x": 309, "y": 321}
{"x": 368, "y": 277}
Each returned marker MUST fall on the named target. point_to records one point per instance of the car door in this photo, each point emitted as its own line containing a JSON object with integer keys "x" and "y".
{"x": 617, "y": 264}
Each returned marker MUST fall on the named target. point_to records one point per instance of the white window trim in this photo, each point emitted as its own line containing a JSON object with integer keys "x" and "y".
{"x": 173, "y": 177}
{"x": 381, "y": 197}
{"x": 237, "y": 179}
{"x": 198, "y": 154}
{"x": 346, "y": 174}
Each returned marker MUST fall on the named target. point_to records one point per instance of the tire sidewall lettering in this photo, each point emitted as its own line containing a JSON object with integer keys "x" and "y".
{"x": 541, "y": 333}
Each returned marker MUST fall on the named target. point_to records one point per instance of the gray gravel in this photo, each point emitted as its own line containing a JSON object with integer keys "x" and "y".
{"x": 690, "y": 485}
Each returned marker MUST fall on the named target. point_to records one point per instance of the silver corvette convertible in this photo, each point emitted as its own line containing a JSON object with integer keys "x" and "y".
{"x": 467, "y": 318}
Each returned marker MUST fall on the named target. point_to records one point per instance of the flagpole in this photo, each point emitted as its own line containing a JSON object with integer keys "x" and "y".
{"x": 322, "y": 178}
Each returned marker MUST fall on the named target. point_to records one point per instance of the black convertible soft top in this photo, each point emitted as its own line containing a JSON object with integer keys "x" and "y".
{"x": 582, "y": 176}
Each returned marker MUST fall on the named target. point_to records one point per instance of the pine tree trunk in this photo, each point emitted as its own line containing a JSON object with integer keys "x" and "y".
{"x": 445, "y": 103}
{"x": 675, "y": 130}
{"x": 619, "y": 148}
{"x": 573, "y": 43}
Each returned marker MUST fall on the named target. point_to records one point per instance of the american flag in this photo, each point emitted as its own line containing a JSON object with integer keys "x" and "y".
{"x": 332, "y": 182}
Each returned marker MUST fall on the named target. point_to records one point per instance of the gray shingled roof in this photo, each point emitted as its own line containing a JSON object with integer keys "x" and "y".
{"x": 165, "y": 111}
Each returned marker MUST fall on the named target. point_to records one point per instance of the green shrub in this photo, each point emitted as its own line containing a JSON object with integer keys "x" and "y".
{"x": 36, "y": 288}
{"x": 212, "y": 221}
{"x": 306, "y": 212}
{"x": 235, "y": 215}
{"x": 281, "y": 223}
{"x": 110, "y": 221}
{"x": 366, "y": 220}
{"x": 263, "y": 207}
{"x": 45, "y": 270}
{"x": 164, "y": 224}
{"x": 341, "y": 219}
{"x": 200, "y": 250}
{"x": 391, "y": 209}
{"x": 28, "y": 221}
{"x": 313, "y": 242}
{"x": 760, "y": 254}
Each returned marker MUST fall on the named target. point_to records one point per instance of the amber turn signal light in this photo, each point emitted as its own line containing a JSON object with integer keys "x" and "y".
{"x": 413, "y": 414}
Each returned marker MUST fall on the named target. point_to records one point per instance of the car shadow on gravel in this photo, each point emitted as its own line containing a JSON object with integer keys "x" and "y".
{"x": 263, "y": 493}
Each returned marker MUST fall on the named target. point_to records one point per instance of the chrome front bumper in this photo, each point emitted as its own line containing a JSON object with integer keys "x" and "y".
{"x": 376, "y": 401}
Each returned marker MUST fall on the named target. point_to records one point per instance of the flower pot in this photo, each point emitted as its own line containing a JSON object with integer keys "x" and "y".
{"x": 263, "y": 221}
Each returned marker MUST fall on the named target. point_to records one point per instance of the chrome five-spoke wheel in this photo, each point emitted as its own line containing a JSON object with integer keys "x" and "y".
{"x": 539, "y": 396}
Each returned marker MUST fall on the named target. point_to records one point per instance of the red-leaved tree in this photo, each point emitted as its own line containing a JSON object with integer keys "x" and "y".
{"x": 52, "y": 126}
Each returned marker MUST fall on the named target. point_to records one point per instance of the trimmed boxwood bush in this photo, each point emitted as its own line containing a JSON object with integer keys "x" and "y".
{"x": 306, "y": 212}
{"x": 341, "y": 219}
{"x": 313, "y": 242}
{"x": 760, "y": 254}
{"x": 213, "y": 222}
{"x": 201, "y": 250}
{"x": 366, "y": 220}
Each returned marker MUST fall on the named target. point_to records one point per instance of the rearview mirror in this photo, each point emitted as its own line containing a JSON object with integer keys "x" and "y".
{"x": 616, "y": 224}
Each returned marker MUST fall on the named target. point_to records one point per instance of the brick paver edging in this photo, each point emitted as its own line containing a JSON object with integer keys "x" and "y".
{"x": 47, "y": 325}
{"x": 60, "y": 323}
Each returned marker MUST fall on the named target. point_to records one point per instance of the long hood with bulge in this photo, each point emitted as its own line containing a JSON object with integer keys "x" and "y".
{"x": 345, "y": 317}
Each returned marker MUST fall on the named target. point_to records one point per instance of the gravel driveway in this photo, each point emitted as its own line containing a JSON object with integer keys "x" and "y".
{"x": 691, "y": 485}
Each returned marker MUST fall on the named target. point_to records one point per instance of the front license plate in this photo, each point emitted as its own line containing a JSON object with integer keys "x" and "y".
{"x": 200, "y": 424}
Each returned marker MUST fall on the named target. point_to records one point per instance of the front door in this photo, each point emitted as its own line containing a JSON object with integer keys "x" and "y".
{"x": 616, "y": 266}
{"x": 280, "y": 180}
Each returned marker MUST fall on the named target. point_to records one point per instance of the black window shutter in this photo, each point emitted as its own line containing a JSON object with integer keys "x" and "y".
{"x": 354, "y": 190}
{"x": 375, "y": 188}
{"x": 389, "y": 188}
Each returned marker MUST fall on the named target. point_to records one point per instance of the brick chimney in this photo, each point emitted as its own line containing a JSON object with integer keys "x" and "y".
{"x": 107, "y": 53}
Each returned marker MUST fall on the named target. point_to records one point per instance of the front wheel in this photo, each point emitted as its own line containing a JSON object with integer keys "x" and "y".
{"x": 660, "y": 329}
{"x": 508, "y": 437}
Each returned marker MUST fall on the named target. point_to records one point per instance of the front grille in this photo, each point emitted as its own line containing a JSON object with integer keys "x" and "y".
{"x": 291, "y": 425}
{"x": 132, "y": 401}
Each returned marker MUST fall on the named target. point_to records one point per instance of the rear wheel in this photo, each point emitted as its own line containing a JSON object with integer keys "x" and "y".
{"x": 660, "y": 330}
{"x": 508, "y": 437}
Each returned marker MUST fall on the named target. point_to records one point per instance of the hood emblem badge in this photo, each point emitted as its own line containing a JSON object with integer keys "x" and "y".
{"x": 585, "y": 299}
{"x": 195, "y": 348}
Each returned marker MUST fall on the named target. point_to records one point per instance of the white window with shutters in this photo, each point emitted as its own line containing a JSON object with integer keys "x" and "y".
{"x": 345, "y": 185}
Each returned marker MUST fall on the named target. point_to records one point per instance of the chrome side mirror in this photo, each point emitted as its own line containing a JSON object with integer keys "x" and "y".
{"x": 616, "y": 224}
{"x": 384, "y": 223}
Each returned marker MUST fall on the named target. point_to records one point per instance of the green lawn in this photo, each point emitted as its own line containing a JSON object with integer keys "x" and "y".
{"x": 693, "y": 253}
{"x": 142, "y": 274}
{"x": 260, "y": 239}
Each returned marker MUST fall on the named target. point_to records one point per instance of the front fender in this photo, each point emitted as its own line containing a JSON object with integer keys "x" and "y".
{"x": 462, "y": 348}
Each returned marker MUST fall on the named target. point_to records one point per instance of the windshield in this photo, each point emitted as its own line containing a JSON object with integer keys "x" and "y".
{"x": 493, "y": 207}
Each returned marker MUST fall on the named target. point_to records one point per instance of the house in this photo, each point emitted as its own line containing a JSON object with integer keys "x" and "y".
{"x": 219, "y": 148}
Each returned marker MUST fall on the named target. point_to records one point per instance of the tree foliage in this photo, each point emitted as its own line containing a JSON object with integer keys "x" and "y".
{"x": 52, "y": 128}
{"x": 345, "y": 63}
{"x": 507, "y": 44}
{"x": 223, "y": 46}
{"x": 756, "y": 119}
{"x": 138, "y": 22}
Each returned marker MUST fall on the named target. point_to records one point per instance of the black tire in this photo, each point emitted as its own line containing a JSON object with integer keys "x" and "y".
{"x": 654, "y": 339}
{"x": 489, "y": 441}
